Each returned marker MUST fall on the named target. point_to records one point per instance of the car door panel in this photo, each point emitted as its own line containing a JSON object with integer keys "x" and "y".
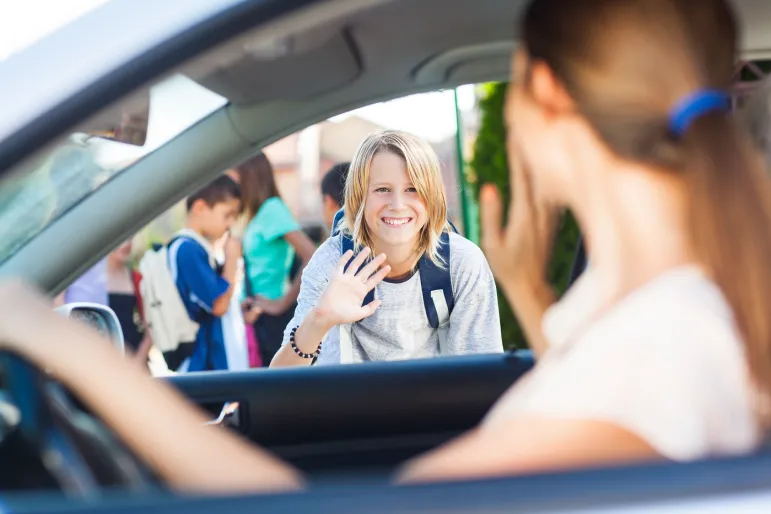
{"x": 373, "y": 415}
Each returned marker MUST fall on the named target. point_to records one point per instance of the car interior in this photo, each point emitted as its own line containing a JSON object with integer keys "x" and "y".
{"x": 340, "y": 424}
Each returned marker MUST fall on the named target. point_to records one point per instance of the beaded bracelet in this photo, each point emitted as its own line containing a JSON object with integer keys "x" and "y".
{"x": 297, "y": 350}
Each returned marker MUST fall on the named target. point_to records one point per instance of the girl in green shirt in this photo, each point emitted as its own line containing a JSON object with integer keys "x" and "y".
{"x": 271, "y": 240}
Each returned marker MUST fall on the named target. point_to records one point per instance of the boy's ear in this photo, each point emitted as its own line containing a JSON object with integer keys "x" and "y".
{"x": 198, "y": 206}
{"x": 330, "y": 202}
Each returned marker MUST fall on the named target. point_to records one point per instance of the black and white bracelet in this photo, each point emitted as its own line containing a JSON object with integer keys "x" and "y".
{"x": 298, "y": 351}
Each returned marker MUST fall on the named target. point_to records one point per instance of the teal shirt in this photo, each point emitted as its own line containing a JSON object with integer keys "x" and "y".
{"x": 267, "y": 254}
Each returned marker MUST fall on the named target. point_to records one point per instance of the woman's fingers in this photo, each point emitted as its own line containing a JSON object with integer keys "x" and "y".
{"x": 521, "y": 193}
{"x": 490, "y": 216}
{"x": 377, "y": 278}
{"x": 353, "y": 268}
{"x": 371, "y": 267}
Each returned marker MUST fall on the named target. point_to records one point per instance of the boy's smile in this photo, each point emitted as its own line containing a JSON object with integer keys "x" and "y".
{"x": 394, "y": 211}
{"x": 396, "y": 222}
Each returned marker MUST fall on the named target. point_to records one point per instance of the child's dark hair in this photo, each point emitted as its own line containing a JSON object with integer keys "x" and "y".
{"x": 333, "y": 183}
{"x": 219, "y": 190}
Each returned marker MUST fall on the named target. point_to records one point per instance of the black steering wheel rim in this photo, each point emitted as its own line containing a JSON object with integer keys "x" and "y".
{"x": 46, "y": 423}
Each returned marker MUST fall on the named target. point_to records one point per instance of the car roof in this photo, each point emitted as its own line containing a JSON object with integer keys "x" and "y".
{"x": 131, "y": 41}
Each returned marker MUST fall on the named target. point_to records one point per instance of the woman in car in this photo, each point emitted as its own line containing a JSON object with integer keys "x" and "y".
{"x": 396, "y": 223}
{"x": 662, "y": 350}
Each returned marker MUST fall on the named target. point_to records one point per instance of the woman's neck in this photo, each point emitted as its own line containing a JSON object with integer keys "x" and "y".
{"x": 635, "y": 224}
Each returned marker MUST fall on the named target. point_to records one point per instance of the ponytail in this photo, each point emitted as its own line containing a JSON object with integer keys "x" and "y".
{"x": 730, "y": 223}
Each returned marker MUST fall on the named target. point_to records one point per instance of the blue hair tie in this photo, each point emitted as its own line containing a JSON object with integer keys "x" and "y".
{"x": 695, "y": 106}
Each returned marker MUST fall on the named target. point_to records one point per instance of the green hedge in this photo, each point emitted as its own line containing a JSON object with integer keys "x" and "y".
{"x": 489, "y": 165}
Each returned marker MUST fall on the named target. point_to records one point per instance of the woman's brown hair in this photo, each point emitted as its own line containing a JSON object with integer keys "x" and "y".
{"x": 626, "y": 64}
{"x": 257, "y": 183}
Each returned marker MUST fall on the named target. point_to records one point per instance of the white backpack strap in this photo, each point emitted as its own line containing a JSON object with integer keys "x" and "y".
{"x": 443, "y": 313}
{"x": 198, "y": 238}
{"x": 346, "y": 343}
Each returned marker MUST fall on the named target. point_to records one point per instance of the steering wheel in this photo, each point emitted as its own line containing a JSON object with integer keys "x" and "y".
{"x": 79, "y": 452}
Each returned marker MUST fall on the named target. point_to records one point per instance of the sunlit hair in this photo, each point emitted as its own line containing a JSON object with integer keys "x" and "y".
{"x": 425, "y": 173}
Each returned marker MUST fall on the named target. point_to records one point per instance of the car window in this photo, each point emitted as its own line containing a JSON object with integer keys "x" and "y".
{"x": 38, "y": 193}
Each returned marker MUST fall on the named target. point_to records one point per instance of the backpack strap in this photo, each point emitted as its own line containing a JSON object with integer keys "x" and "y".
{"x": 346, "y": 330}
{"x": 337, "y": 220}
{"x": 435, "y": 282}
{"x": 198, "y": 238}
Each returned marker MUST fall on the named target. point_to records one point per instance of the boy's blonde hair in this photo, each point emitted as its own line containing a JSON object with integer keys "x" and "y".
{"x": 425, "y": 173}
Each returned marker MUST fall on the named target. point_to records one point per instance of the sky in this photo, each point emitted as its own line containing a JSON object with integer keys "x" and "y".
{"x": 429, "y": 115}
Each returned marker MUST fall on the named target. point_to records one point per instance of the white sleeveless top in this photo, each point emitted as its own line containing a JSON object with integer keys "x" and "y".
{"x": 666, "y": 363}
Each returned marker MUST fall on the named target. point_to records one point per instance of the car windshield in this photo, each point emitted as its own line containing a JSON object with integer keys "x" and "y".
{"x": 39, "y": 192}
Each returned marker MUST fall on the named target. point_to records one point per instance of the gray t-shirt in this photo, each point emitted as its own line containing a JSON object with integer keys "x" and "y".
{"x": 399, "y": 328}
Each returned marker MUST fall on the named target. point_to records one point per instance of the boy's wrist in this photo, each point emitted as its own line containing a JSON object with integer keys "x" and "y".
{"x": 318, "y": 321}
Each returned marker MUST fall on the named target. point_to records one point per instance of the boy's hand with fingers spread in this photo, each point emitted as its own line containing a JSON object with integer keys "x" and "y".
{"x": 519, "y": 253}
{"x": 341, "y": 301}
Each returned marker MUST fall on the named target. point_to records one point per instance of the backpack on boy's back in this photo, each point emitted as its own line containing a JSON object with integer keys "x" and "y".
{"x": 171, "y": 329}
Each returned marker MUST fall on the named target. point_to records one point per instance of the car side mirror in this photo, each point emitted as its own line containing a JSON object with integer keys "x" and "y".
{"x": 99, "y": 317}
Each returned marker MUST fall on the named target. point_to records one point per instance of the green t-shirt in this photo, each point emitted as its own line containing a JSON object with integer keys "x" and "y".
{"x": 267, "y": 254}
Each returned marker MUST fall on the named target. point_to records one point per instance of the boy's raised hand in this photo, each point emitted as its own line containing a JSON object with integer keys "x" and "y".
{"x": 342, "y": 300}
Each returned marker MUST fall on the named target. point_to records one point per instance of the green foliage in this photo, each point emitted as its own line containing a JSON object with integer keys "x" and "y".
{"x": 489, "y": 165}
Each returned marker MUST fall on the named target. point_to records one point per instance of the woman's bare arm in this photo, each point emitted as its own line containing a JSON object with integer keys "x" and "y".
{"x": 528, "y": 444}
{"x": 154, "y": 421}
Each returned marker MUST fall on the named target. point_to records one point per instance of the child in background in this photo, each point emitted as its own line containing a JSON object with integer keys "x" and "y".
{"x": 207, "y": 292}
{"x": 124, "y": 299}
{"x": 273, "y": 240}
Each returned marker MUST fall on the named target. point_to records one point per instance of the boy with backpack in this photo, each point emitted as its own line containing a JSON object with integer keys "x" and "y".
{"x": 191, "y": 302}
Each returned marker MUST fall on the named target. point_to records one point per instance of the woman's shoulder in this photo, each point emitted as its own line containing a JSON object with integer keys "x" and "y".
{"x": 682, "y": 314}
